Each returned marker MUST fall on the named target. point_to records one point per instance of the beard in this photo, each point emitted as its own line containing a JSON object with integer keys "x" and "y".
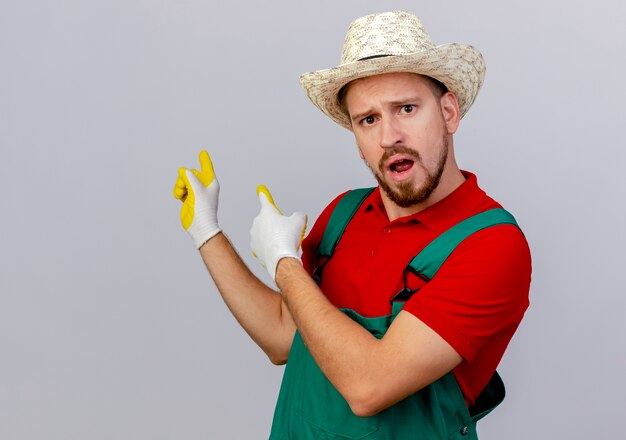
{"x": 404, "y": 194}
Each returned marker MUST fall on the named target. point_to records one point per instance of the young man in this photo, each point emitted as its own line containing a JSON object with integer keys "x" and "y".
{"x": 407, "y": 295}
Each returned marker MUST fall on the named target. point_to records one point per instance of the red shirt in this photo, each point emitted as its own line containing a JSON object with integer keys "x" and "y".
{"x": 475, "y": 301}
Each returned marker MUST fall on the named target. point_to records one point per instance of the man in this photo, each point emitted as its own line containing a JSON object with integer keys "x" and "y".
{"x": 407, "y": 295}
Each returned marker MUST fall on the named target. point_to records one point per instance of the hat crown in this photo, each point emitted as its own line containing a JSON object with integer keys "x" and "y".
{"x": 389, "y": 33}
{"x": 395, "y": 42}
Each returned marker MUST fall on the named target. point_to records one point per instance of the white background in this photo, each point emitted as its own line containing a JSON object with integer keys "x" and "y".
{"x": 110, "y": 327}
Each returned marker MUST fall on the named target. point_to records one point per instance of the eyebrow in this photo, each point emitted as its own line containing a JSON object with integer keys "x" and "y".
{"x": 360, "y": 116}
{"x": 394, "y": 103}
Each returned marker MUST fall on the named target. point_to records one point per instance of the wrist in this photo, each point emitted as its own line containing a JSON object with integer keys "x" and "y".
{"x": 208, "y": 239}
{"x": 201, "y": 232}
{"x": 285, "y": 267}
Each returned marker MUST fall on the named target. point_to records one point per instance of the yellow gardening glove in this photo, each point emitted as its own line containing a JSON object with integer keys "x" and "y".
{"x": 199, "y": 192}
{"x": 274, "y": 236}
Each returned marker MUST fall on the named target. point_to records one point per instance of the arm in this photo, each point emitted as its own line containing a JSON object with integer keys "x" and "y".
{"x": 370, "y": 374}
{"x": 357, "y": 363}
{"x": 258, "y": 309}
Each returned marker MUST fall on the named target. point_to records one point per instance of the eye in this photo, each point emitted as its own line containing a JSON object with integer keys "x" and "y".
{"x": 407, "y": 108}
{"x": 368, "y": 120}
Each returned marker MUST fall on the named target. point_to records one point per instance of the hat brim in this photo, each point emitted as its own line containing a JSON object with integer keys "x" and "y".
{"x": 461, "y": 68}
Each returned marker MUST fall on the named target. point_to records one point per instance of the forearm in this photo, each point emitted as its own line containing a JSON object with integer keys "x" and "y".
{"x": 347, "y": 353}
{"x": 371, "y": 374}
{"x": 258, "y": 309}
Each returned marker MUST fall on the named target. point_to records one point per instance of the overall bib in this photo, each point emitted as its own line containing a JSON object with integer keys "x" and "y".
{"x": 310, "y": 408}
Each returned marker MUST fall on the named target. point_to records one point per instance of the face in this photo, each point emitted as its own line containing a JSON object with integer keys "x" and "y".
{"x": 403, "y": 129}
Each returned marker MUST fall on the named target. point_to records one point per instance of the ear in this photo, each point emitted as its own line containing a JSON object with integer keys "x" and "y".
{"x": 450, "y": 111}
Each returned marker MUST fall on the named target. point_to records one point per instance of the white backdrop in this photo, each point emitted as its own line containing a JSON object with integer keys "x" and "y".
{"x": 110, "y": 328}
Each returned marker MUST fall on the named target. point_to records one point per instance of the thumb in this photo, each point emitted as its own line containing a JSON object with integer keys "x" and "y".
{"x": 266, "y": 199}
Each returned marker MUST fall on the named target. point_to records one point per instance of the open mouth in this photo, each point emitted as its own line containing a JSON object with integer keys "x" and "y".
{"x": 401, "y": 166}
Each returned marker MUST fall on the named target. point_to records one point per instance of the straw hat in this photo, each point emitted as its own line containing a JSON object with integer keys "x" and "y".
{"x": 395, "y": 42}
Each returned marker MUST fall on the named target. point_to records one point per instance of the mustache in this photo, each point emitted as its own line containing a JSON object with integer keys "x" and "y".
{"x": 400, "y": 149}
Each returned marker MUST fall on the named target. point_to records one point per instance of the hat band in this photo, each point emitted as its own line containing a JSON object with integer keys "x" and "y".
{"x": 372, "y": 57}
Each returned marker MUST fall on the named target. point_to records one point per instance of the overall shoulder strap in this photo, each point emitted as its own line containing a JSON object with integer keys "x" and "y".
{"x": 430, "y": 259}
{"x": 339, "y": 219}
{"x": 428, "y": 262}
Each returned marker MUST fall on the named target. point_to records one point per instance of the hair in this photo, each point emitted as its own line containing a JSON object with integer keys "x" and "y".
{"x": 436, "y": 87}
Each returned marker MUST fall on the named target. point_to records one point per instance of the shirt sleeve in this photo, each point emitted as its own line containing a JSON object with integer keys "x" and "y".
{"x": 479, "y": 292}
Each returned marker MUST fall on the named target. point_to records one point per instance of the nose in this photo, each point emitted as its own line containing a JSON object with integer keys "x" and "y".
{"x": 390, "y": 133}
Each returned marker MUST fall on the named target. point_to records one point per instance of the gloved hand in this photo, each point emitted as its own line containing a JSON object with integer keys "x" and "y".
{"x": 273, "y": 235}
{"x": 199, "y": 192}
